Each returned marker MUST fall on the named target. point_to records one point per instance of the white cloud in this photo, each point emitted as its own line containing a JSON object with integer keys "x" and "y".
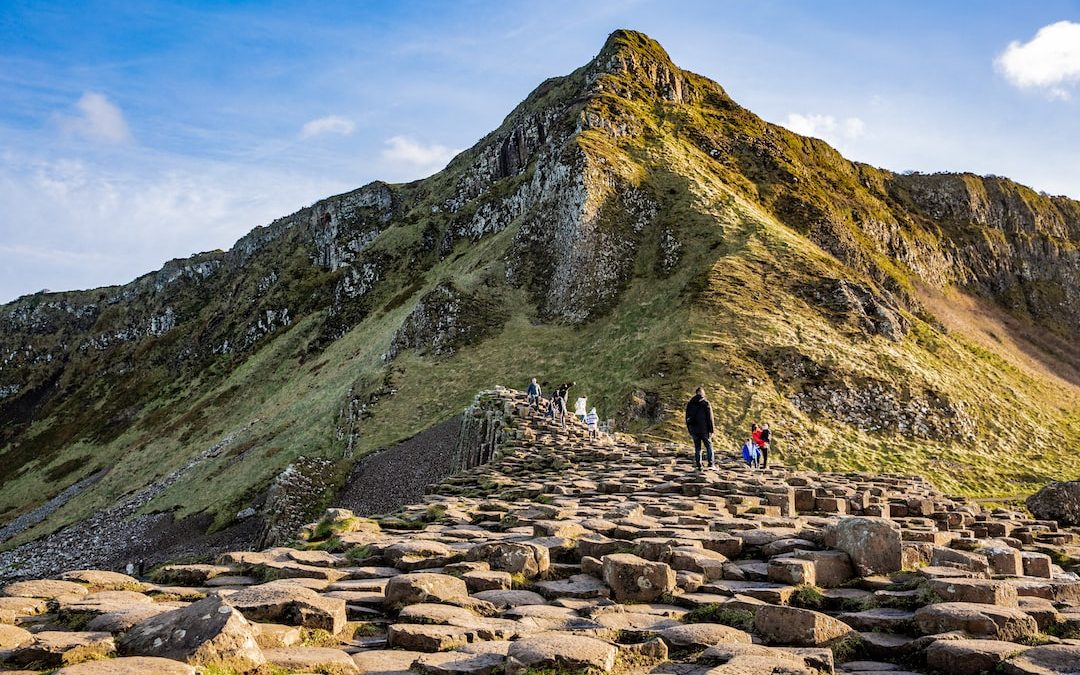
{"x": 405, "y": 150}
{"x": 331, "y": 124}
{"x": 82, "y": 224}
{"x": 1049, "y": 61}
{"x": 826, "y": 127}
{"x": 97, "y": 119}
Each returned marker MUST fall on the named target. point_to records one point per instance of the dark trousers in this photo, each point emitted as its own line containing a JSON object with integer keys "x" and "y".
{"x": 764, "y": 456}
{"x": 698, "y": 440}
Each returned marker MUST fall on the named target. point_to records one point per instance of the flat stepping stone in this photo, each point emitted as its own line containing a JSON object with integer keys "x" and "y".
{"x": 699, "y": 636}
{"x": 386, "y": 661}
{"x": 427, "y": 638}
{"x": 977, "y": 620}
{"x": 459, "y": 662}
{"x": 13, "y": 636}
{"x": 560, "y": 652}
{"x": 513, "y": 598}
{"x": 299, "y": 659}
{"x": 129, "y": 665}
{"x": 884, "y": 619}
{"x": 45, "y": 588}
{"x": 103, "y": 581}
{"x": 1045, "y": 660}
{"x": 52, "y": 649}
{"x": 969, "y": 657}
{"x": 577, "y": 586}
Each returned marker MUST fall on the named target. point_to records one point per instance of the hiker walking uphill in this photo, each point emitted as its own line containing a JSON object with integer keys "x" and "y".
{"x": 534, "y": 394}
{"x": 558, "y": 403}
{"x": 581, "y": 407}
{"x": 699, "y": 422}
{"x": 592, "y": 421}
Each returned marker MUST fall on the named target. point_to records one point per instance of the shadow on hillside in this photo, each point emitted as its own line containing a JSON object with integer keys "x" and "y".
{"x": 1028, "y": 346}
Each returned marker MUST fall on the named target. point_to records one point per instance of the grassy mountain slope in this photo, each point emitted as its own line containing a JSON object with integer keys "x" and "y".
{"x": 629, "y": 227}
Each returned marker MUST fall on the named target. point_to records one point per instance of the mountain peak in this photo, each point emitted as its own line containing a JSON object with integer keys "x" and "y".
{"x": 623, "y": 42}
{"x": 636, "y": 59}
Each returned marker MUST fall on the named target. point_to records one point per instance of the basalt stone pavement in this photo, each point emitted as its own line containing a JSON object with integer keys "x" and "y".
{"x": 564, "y": 555}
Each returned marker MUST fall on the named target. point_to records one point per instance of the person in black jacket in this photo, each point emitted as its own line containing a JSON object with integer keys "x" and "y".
{"x": 699, "y": 422}
{"x": 766, "y": 441}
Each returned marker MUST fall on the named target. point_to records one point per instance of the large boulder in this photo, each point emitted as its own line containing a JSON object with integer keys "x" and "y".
{"x": 635, "y": 579}
{"x": 512, "y": 556}
{"x": 208, "y": 632}
{"x": 977, "y": 620}
{"x": 982, "y": 591}
{"x": 410, "y": 589}
{"x": 795, "y": 627}
{"x": 873, "y": 544}
{"x": 1057, "y": 501}
{"x": 698, "y": 636}
{"x": 290, "y": 604}
{"x": 969, "y": 657}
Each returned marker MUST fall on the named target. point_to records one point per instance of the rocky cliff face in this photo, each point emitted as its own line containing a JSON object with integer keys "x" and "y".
{"x": 629, "y": 226}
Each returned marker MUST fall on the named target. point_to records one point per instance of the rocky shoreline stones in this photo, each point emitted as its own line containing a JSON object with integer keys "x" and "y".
{"x": 564, "y": 555}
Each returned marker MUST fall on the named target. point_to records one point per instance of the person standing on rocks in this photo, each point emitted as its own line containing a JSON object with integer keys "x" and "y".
{"x": 699, "y": 422}
{"x": 592, "y": 420}
{"x": 763, "y": 445}
{"x": 581, "y": 407}
{"x": 534, "y": 394}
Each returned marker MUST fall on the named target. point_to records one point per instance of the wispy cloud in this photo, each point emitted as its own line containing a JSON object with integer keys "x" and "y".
{"x": 96, "y": 118}
{"x": 331, "y": 124}
{"x": 826, "y": 127}
{"x": 1049, "y": 61}
{"x": 406, "y": 150}
{"x": 416, "y": 159}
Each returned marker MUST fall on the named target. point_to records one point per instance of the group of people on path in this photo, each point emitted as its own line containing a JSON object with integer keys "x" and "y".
{"x": 557, "y": 406}
{"x": 699, "y": 423}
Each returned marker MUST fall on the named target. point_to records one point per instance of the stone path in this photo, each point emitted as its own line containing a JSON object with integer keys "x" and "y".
{"x": 568, "y": 556}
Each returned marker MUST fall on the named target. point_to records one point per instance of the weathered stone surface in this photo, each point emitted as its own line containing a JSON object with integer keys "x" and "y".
{"x": 315, "y": 659}
{"x": 976, "y": 620}
{"x": 209, "y": 632}
{"x": 386, "y": 661}
{"x": 294, "y": 605}
{"x": 513, "y": 557}
{"x": 409, "y": 589}
{"x": 1057, "y": 501}
{"x": 123, "y": 619}
{"x": 513, "y": 598}
{"x": 561, "y": 652}
{"x": 1045, "y": 660}
{"x": 698, "y": 636}
{"x": 129, "y": 665}
{"x": 428, "y": 638}
{"x": 51, "y": 649}
{"x": 460, "y": 663}
{"x": 636, "y": 579}
{"x": 13, "y": 636}
{"x": 190, "y": 575}
{"x": 974, "y": 590}
{"x": 104, "y": 581}
{"x": 799, "y": 627}
{"x": 45, "y": 588}
{"x": 874, "y": 544}
{"x": 969, "y": 657}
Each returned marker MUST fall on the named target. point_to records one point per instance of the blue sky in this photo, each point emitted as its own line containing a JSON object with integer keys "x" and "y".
{"x": 132, "y": 133}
